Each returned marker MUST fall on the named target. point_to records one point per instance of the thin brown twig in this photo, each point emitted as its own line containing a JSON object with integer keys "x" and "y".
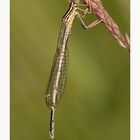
{"x": 96, "y": 7}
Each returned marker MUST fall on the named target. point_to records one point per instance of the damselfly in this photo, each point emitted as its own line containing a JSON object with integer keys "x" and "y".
{"x": 58, "y": 71}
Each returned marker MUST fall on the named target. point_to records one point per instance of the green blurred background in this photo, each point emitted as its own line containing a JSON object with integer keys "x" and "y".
{"x": 95, "y": 103}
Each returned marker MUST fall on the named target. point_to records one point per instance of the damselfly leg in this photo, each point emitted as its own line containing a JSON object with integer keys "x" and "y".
{"x": 91, "y": 25}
